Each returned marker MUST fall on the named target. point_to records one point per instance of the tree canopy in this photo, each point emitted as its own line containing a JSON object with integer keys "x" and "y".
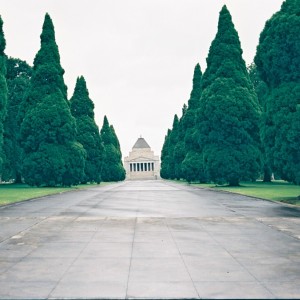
{"x": 3, "y": 91}
{"x": 52, "y": 156}
{"x": 18, "y": 79}
{"x": 82, "y": 108}
{"x": 192, "y": 164}
{"x": 228, "y": 115}
{"x": 278, "y": 63}
{"x": 113, "y": 169}
{"x": 164, "y": 170}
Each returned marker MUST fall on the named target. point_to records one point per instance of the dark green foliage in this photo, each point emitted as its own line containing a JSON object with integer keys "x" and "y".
{"x": 3, "y": 92}
{"x": 277, "y": 57}
{"x": 262, "y": 94}
{"x": 228, "y": 115}
{"x": 178, "y": 156}
{"x": 173, "y": 139}
{"x": 193, "y": 102}
{"x": 193, "y": 167}
{"x": 18, "y": 78}
{"x": 48, "y": 131}
{"x": 278, "y": 62}
{"x": 284, "y": 102}
{"x": 179, "y": 149}
{"x": 164, "y": 170}
{"x": 115, "y": 142}
{"x": 173, "y": 150}
{"x": 113, "y": 169}
{"x": 259, "y": 85}
{"x": 54, "y": 165}
{"x": 82, "y": 108}
{"x": 192, "y": 164}
{"x": 180, "y": 140}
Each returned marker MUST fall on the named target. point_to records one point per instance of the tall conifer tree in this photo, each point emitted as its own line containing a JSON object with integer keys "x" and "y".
{"x": 116, "y": 142}
{"x": 169, "y": 165}
{"x": 171, "y": 147}
{"x": 3, "y": 91}
{"x": 179, "y": 149}
{"x": 113, "y": 169}
{"x": 262, "y": 93}
{"x": 164, "y": 170}
{"x": 82, "y": 108}
{"x": 192, "y": 165}
{"x": 48, "y": 131}
{"x": 278, "y": 62}
{"x": 228, "y": 116}
{"x": 18, "y": 79}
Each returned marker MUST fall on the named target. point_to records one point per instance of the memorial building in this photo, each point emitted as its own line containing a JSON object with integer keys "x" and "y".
{"x": 141, "y": 162}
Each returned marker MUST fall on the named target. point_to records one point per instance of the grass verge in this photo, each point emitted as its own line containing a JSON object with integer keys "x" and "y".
{"x": 276, "y": 190}
{"x": 11, "y": 193}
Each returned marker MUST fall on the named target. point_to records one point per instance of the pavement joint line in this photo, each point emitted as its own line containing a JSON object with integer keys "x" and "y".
{"x": 76, "y": 258}
{"x": 129, "y": 269}
{"x": 268, "y": 262}
{"x": 273, "y": 227}
{"x": 243, "y": 266}
{"x": 170, "y": 232}
{"x": 23, "y": 258}
{"x": 71, "y": 264}
{"x": 24, "y": 230}
{"x": 132, "y": 245}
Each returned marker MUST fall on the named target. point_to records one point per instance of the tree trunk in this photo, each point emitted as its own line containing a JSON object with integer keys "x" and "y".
{"x": 267, "y": 174}
{"x": 18, "y": 178}
{"x": 234, "y": 182}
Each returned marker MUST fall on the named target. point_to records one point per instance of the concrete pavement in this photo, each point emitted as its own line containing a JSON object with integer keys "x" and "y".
{"x": 149, "y": 239}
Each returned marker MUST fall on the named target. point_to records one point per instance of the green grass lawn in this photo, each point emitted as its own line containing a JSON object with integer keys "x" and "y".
{"x": 276, "y": 191}
{"x": 10, "y": 193}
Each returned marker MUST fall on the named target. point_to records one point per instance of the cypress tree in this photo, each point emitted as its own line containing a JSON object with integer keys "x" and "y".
{"x": 113, "y": 169}
{"x": 179, "y": 149}
{"x": 193, "y": 102}
{"x": 171, "y": 147}
{"x": 228, "y": 116}
{"x": 116, "y": 142}
{"x": 18, "y": 79}
{"x": 82, "y": 108}
{"x": 278, "y": 62}
{"x": 192, "y": 165}
{"x": 3, "y": 92}
{"x": 164, "y": 170}
{"x": 48, "y": 131}
{"x": 261, "y": 90}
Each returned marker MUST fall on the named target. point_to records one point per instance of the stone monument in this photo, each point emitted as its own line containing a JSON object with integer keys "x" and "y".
{"x": 141, "y": 162}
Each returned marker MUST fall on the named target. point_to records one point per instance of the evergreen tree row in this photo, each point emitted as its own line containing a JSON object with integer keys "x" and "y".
{"x": 113, "y": 169}
{"x": 45, "y": 139}
{"x": 242, "y": 123}
{"x": 278, "y": 64}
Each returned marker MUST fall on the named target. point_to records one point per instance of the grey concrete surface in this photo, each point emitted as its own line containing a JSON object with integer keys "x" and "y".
{"x": 149, "y": 239}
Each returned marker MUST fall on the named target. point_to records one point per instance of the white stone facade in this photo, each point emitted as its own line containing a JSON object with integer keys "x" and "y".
{"x": 141, "y": 162}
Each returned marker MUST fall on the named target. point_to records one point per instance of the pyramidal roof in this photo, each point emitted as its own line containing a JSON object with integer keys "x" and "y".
{"x": 141, "y": 143}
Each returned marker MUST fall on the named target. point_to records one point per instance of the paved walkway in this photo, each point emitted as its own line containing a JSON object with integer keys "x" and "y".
{"x": 149, "y": 239}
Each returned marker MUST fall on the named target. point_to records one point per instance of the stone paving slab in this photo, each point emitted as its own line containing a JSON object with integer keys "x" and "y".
{"x": 147, "y": 240}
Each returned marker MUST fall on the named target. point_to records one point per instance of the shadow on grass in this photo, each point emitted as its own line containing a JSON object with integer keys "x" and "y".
{"x": 289, "y": 200}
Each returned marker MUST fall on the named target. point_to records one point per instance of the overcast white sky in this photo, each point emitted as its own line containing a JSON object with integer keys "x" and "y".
{"x": 137, "y": 56}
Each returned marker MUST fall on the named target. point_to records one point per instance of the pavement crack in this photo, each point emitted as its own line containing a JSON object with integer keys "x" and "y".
{"x": 171, "y": 234}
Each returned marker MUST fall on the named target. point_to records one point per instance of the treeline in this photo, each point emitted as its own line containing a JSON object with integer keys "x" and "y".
{"x": 242, "y": 123}
{"x": 46, "y": 139}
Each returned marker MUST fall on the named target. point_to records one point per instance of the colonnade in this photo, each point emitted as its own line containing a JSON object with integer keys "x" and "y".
{"x": 141, "y": 167}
